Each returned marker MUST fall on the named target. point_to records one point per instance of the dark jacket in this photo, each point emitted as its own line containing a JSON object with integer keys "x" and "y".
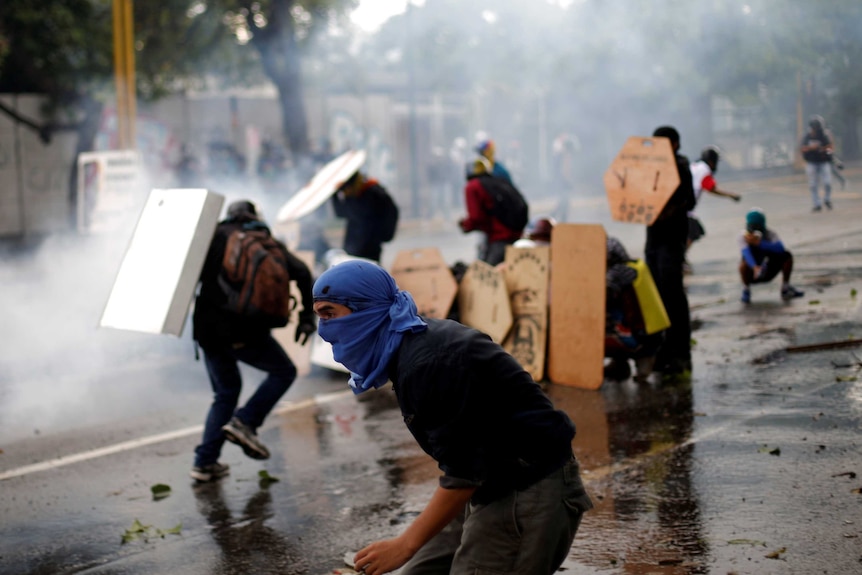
{"x": 471, "y": 407}
{"x": 369, "y": 220}
{"x": 212, "y": 324}
{"x": 818, "y": 156}
{"x": 670, "y": 228}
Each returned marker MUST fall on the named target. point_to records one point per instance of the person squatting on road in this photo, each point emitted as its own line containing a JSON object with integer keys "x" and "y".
{"x": 371, "y": 214}
{"x": 703, "y": 180}
{"x": 816, "y": 148}
{"x": 480, "y": 204}
{"x": 228, "y": 337}
{"x": 763, "y": 256}
{"x": 510, "y": 499}
{"x": 666, "y": 239}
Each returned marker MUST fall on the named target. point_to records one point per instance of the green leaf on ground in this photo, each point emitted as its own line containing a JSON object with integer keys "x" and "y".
{"x": 175, "y": 530}
{"x": 160, "y": 491}
{"x": 140, "y": 531}
{"x": 853, "y": 292}
{"x": 136, "y": 531}
{"x": 814, "y": 302}
{"x": 845, "y": 378}
{"x": 266, "y": 479}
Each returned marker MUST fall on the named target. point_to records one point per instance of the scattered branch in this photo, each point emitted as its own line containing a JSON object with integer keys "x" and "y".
{"x": 822, "y": 346}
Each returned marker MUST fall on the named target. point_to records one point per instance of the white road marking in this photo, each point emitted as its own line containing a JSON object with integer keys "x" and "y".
{"x": 286, "y": 407}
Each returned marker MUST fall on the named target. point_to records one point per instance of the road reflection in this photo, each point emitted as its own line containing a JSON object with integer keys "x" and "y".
{"x": 632, "y": 440}
{"x": 247, "y": 543}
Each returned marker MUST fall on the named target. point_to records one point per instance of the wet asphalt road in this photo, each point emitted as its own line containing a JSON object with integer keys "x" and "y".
{"x": 754, "y": 465}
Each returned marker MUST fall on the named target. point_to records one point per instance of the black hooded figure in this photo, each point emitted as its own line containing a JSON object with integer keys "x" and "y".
{"x": 666, "y": 240}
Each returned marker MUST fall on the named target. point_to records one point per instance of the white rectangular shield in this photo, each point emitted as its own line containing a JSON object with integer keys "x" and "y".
{"x": 159, "y": 273}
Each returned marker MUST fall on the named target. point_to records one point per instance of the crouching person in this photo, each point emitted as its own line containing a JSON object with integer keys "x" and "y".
{"x": 511, "y": 498}
{"x": 626, "y": 336}
{"x": 763, "y": 257}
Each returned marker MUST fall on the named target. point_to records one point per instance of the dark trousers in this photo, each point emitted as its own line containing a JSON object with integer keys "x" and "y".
{"x": 665, "y": 264}
{"x": 526, "y": 532}
{"x": 222, "y": 365}
{"x": 493, "y": 253}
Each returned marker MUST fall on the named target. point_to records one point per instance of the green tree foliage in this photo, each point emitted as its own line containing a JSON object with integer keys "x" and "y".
{"x": 279, "y": 30}
{"x": 63, "y": 49}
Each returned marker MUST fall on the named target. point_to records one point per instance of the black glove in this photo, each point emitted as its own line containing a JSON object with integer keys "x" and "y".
{"x": 305, "y": 328}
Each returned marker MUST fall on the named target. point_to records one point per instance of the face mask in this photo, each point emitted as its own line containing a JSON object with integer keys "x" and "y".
{"x": 363, "y": 343}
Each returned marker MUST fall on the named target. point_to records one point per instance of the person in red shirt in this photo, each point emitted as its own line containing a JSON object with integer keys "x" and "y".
{"x": 479, "y": 217}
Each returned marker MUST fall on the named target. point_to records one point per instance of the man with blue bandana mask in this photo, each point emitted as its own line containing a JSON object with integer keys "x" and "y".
{"x": 511, "y": 498}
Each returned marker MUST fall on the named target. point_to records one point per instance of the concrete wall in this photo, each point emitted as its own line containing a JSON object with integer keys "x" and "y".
{"x": 33, "y": 177}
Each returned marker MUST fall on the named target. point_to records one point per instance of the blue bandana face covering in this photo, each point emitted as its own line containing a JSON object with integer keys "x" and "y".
{"x": 365, "y": 340}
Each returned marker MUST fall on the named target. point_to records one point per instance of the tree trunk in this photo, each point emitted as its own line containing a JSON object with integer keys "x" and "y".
{"x": 279, "y": 53}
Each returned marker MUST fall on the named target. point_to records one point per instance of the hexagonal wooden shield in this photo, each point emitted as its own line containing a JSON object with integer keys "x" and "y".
{"x": 424, "y": 273}
{"x": 483, "y": 300}
{"x": 641, "y": 180}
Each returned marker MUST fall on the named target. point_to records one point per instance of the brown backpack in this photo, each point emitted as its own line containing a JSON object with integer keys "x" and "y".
{"x": 254, "y": 277}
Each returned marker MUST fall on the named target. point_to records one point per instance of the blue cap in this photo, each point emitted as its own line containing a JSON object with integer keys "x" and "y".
{"x": 755, "y": 220}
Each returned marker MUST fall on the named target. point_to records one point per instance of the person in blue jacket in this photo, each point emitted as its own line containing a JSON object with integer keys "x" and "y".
{"x": 763, "y": 256}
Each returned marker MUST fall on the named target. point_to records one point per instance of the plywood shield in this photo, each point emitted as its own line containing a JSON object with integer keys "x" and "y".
{"x": 159, "y": 272}
{"x": 300, "y": 355}
{"x": 424, "y": 273}
{"x": 526, "y": 272}
{"x": 322, "y": 186}
{"x": 483, "y": 300}
{"x": 577, "y": 309}
{"x": 641, "y": 180}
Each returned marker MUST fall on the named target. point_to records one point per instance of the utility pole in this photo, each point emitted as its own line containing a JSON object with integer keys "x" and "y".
{"x": 800, "y": 124}
{"x": 124, "y": 73}
{"x": 411, "y": 95}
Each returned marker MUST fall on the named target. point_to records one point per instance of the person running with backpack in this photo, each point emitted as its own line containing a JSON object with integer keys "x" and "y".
{"x": 235, "y": 311}
{"x": 495, "y": 208}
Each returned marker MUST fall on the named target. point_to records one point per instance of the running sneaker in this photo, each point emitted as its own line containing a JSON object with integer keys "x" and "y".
{"x": 746, "y": 296}
{"x": 789, "y": 292}
{"x": 239, "y": 433}
{"x": 211, "y": 472}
